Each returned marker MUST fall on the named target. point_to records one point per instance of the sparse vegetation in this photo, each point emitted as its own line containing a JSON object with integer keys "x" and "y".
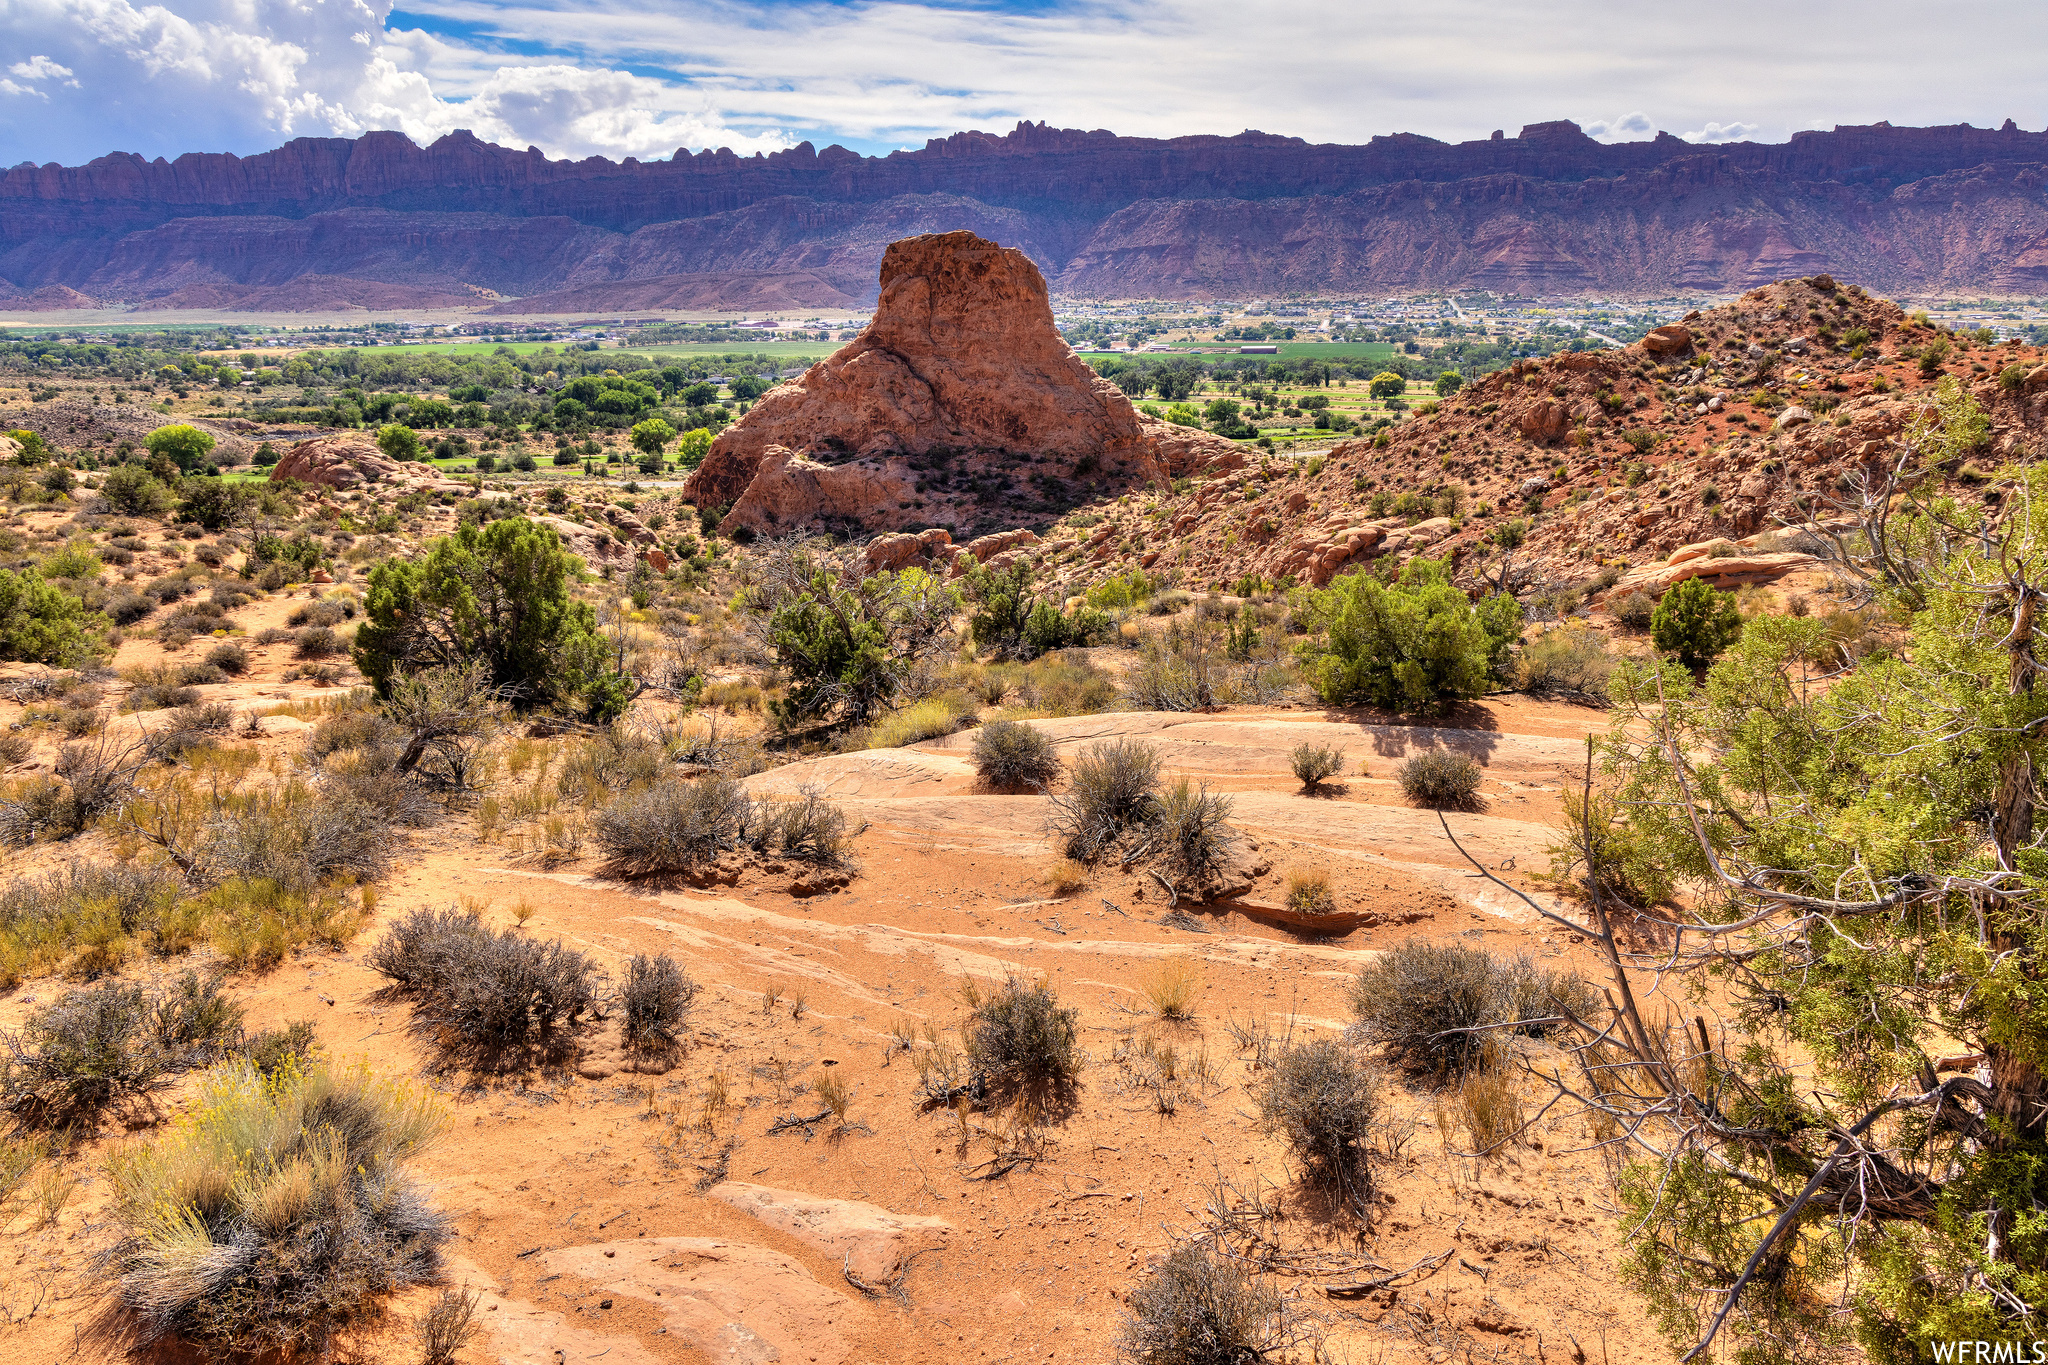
{"x": 654, "y": 1004}
{"x": 1200, "y": 1307}
{"x": 277, "y": 1214}
{"x": 1020, "y": 1034}
{"x": 1322, "y": 1100}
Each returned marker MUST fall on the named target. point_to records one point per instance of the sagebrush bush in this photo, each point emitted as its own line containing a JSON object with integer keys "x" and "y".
{"x": 1440, "y": 777}
{"x": 1322, "y": 1100}
{"x": 809, "y": 829}
{"x": 1315, "y": 763}
{"x": 1112, "y": 789}
{"x": 1201, "y": 1308}
{"x": 674, "y": 827}
{"x": 1635, "y": 609}
{"x": 483, "y": 992}
{"x": 1420, "y": 1001}
{"x": 297, "y": 837}
{"x": 654, "y": 1004}
{"x": 277, "y": 1214}
{"x": 1191, "y": 831}
{"x": 1012, "y": 756}
{"x": 1020, "y": 1034}
{"x": 114, "y": 1042}
{"x": 1416, "y": 997}
{"x": 319, "y": 642}
{"x": 229, "y": 657}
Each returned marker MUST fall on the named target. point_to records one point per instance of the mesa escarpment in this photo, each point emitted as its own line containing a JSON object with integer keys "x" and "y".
{"x": 959, "y": 406}
{"x": 1547, "y": 210}
{"x": 1728, "y": 433}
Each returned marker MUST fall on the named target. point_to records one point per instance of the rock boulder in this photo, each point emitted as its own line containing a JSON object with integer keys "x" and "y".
{"x": 1672, "y": 340}
{"x": 960, "y": 373}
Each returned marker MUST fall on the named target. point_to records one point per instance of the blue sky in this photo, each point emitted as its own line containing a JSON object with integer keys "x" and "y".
{"x": 617, "y": 78}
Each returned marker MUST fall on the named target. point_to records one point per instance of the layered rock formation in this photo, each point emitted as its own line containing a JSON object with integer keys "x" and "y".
{"x": 1548, "y": 210}
{"x": 959, "y": 406}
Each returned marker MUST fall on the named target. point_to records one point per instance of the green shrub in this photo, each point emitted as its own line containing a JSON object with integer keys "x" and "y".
{"x": 1200, "y": 1307}
{"x": 41, "y": 623}
{"x": 499, "y": 593}
{"x": 400, "y": 443}
{"x": 183, "y": 445}
{"x": 132, "y": 490}
{"x": 1010, "y": 756}
{"x": 1440, "y": 777}
{"x": 1322, "y": 1100}
{"x": 1695, "y": 622}
{"x": 214, "y": 503}
{"x": 1007, "y": 621}
{"x": 277, "y": 1214}
{"x": 1411, "y": 645}
{"x": 1021, "y": 1035}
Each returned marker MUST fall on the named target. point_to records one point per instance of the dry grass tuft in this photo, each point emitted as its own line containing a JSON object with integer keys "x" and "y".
{"x": 1308, "y": 891}
{"x": 1172, "y": 990}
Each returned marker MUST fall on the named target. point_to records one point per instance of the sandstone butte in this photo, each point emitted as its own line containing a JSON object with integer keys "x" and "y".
{"x": 959, "y": 407}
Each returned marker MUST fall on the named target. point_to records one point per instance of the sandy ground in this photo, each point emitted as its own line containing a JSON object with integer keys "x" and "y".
{"x": 605, "y": 1215}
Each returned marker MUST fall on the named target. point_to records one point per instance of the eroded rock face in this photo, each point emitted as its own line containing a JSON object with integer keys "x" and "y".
{"x": 959, "y": 403}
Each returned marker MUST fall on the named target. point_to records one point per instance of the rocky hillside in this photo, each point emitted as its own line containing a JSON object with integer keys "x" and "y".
{"x": 376, "y": 220}
{"x": 1734, "y": 425}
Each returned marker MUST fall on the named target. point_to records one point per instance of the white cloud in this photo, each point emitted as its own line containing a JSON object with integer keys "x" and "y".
{"x": 1635, "y": 127}
{"x": 1722, "y": 132}
{"x": 640, "y": 77}
{"x": 246, "y": 74}
{"x": 35, "y": 69}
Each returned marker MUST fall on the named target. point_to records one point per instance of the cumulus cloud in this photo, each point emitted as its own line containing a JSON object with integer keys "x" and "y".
{"x": 35, "y": 69}
{"x": 1635, "y": 127}
{"x": 1722, "y": 132}
{"x": 641, "y": 77}
{"x": 245, "y": 74}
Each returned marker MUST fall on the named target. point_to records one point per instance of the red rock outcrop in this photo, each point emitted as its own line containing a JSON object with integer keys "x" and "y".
{"x": 350, "y": 459}
{"x": 956, "y": 402}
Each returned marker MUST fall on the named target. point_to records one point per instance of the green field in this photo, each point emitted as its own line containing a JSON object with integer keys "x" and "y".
{"x": 781, "y": 350}
{"x": 1289, "y": 350}
{"x": 813, "y": 350}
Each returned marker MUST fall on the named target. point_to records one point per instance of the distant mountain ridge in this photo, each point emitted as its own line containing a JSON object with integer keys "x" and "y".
{"x": 1549, "y": 210}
